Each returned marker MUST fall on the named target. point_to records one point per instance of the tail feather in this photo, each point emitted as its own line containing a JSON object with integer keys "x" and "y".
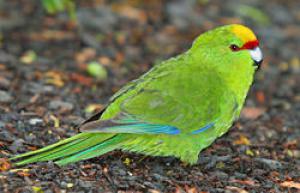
{"x": 109, "y": 145}
{"x": 59, "y": 152}
{"x": 76, "y": 148}
{"x": 72, "y": 147}
{"x": 49, "y": 147}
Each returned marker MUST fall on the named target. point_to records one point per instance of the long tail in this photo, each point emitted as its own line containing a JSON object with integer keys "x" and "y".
{"x": 79, "y": 147}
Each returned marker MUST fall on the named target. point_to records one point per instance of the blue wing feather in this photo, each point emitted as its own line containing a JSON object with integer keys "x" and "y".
{"x": 142, "y": 128}
{"x": 131, "y": 125}
{"x": 202, "y": 129}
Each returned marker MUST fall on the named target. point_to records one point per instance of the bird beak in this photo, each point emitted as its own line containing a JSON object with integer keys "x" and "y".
{"x": 257, "y": 56}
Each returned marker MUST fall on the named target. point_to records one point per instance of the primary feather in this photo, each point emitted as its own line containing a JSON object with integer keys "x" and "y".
{"x": 176, "y": 109}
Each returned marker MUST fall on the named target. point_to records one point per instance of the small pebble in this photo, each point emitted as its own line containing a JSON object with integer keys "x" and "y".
{"x": 4, "y": 83}
{"x": 17, "y": 144}
{"x": 35, "y": 88}
{"x": 57, "y": 104}
{"x": 269, "y": 163}
{"x": 63, "y": 184}
{"x": 70, "y": 185}
{"x": 5, "y": 97}
{"x": 2, "y": 124}
{"x": 84, "y": 184}
{"x": 4, "y": 134}
{"x": 220, "y": 175}
{"x": 35, "y": 121}
{"x": 240, "y": 175}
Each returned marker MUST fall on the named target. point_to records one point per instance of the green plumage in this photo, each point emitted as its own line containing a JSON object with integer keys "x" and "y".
{"x": 160, "y": 113}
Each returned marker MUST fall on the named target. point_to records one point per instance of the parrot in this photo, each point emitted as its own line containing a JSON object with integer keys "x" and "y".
{"x": 177, "y": 108}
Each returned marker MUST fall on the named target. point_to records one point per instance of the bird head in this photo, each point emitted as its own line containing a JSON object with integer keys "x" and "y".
{"x": 247, "y": 42}
{"x": 232, "y": 44}
{"x": 232, "y": 52}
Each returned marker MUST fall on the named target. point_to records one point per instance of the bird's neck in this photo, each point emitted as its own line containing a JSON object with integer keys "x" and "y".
{"x": 237, "y": 74}
{"x": 239, "y": 81}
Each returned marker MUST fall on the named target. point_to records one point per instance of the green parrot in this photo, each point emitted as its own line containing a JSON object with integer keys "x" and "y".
{"x": 177, "y": 108}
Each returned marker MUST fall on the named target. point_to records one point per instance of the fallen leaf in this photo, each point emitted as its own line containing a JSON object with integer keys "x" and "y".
{"x": 4, "y": 164}
{"x": 127, "y": 161}
{"x": 243, "y": 140}
{"x": 97, "y": 70}
{"x": 245, "y": 182}
{"x": 178, "y": 189}
{"x": 252, "y": 112}
{"x": 130, "y": 12}
{"x": 19, "y": 170}
{"x": 86, "y": 166}
{"x": 120, "y": 38}
{"x": 81, "y": 79}
{"x": 154, "y": 191}
{"x": 50, "y": 35}
{"x": 260, "y": 96}
{"x": 220, "y": 165}
{"x": 104, "y": 60}
{"x": 191, "y": 189}
{"x": 2, "y": 144}
{"x": 23, "y": 174}
{"x": 2, "y": 66}
{"x": 34, "y": 98}
{"x": 76, "y": 90}
{"x": 119, "y": 58}
{"x": 290, "y": 184}
{"x": 291, "y": 144}
{"x": 93, "y": 107}
{"x": 32, "y": 148}
{"x": 37, "y": 189}
{"x": 28, "y": 57}
{"x": 236, "y": 189}
{"x": 85, "y": 55}
{"x": 295, "y": 63}
{"x": 55, "y": 120}
{"x": 56, "y": 82}
{"x": 249, "y": 152}
{"x": 55, "y": 78}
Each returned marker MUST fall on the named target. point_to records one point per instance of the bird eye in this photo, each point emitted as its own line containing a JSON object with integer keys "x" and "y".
{"x": 234, "y": 47}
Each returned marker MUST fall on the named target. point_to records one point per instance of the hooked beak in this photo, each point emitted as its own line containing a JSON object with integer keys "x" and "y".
{"x": 256, "y": 56}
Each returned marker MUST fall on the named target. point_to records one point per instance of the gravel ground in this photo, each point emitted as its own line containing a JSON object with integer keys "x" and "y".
{"x": 45, "y": 91}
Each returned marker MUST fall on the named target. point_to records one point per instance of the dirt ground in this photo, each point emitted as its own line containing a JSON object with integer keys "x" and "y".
{"x": 45, "y": 91}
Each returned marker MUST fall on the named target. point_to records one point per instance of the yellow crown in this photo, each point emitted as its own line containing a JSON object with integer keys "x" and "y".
{"x": 243, "y": 32}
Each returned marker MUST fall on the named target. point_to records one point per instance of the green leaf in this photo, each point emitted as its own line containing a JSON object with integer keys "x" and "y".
{"x": 55, "y": 6}
{"x": 97, "y": 70}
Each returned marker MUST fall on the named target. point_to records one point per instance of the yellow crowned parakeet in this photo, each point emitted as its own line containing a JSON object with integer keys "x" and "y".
{"x": 177, "y": 108}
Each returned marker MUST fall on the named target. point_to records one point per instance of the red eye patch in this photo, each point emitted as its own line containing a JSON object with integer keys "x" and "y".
{"x": 250, "y": 45}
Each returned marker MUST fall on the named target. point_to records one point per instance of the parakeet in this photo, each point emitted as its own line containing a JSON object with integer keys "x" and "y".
{"x": 177, "y": 108}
